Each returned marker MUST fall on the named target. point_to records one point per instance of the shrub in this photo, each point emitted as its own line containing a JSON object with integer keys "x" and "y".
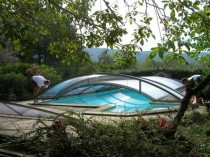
{"x": 16, "y": 68}
{"x": 15, "y": 80}
{"x": 78, "y": 136}
{"x": 12, "y": 86}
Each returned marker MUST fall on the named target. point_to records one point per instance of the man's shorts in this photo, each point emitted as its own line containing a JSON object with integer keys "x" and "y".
{"x": 34, "y": 83}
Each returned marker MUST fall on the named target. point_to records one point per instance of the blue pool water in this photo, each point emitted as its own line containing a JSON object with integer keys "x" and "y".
{"x": 123, "y": 100}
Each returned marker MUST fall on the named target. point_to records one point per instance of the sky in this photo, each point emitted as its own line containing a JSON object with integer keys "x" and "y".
{"x": 122, "y": 9}
{"x": 156, "y": 26}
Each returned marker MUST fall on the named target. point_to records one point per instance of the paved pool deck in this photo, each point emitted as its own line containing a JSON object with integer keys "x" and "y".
{"x": 18, "y": 125}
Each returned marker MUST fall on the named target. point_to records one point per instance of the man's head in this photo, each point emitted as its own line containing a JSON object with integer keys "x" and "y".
{"x": 184, "y": 81}
{"x": 46, "y": 83}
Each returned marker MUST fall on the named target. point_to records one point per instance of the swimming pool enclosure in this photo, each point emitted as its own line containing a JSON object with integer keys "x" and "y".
{"x": 153, "y": 89}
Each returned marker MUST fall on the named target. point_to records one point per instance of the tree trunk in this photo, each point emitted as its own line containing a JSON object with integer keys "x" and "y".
{"x": 185, "y": 103}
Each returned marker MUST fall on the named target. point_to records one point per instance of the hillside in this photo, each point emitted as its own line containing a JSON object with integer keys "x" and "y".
{"x": 141, "y": 57}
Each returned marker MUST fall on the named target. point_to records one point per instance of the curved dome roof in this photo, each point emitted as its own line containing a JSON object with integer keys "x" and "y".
{"x": 154, "y": 87}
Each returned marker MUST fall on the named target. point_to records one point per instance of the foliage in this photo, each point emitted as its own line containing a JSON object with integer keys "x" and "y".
{"x": 14, "y": 82}
{"x": 8, "y": 57}
{"x": 15, "y": 79}
{"x": 16, "y": 68}
{"x": 124, "y": 59}
{"x": 106, "y": 62}
{"x": 44, "y": 70}
{"x": 171, "y": 65}
{"x": 80, "y": 136}
{"x": 30, "y": 25}
{"x": 56, "y": 74}
{"x": 171, "y": 69}
{"x": 72, "y": 25}
{"x": 12, "y": 86}
{"x": 196, "y": 127}
{"x": 186, "y": 29}
{"x": 206, "y": 71}
{"x": 105, "y": 58}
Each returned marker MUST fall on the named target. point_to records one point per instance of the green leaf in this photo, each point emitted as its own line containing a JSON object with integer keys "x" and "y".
{"x": 179, "y": 7}
{"x": 192, "y": 33}
{"x": 172, "y": 45}
{"x": 182, "y": 60}
{"x": 172, "y": 14}
{"x": 187, "y": 46}
{"x": 161, "y": 53}
{"x": 168, "y": 58}
{"x": 16, "y": 45}
{"x": 22, "y": 53}
{"x": 149, "y": 18}
{"x": 171, "y": 6}
{"x": 195, "y": 6}
{"x": 165, "y": 5}
{"x": 197, "y": 3}
{"x": 180, "y": 52}
{"x": 142, "y": 42}
{"x": 154, "y": 53}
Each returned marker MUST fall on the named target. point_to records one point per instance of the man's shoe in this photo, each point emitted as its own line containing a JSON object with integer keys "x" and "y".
{"x": 35, "y": 100}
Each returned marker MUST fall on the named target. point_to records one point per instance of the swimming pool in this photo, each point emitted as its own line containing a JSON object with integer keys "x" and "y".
{"x": 119, "y": 100}
{"x": 115, "y": 94}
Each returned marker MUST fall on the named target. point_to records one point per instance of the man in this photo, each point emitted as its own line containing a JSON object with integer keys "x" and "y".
{"x": 191, "y": 82}
{"x": 39, "y": 82}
